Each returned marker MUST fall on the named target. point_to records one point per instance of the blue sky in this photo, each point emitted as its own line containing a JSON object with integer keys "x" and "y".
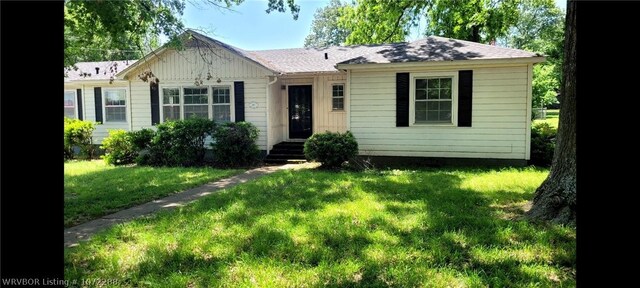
{"x": 251, "y": 28}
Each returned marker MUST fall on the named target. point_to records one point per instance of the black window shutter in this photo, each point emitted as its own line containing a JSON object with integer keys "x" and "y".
{"x": 238, "y": 88}
{"x": 79, "y": 103}
{"x": 97, "y": 95}
{"x": 155, "y": 103}
{"x": 402, "y": 99}
{"x": 465, "y": 88}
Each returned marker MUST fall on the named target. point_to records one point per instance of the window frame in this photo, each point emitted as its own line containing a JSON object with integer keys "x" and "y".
{"x": 231, "y": 101}
{"x": 344, "y": 96}
{"x": 75, "y": 102}
{"x": 162, "y": 104}
{"x": 454, "y": 96}
{"x": 209, "y": 98}
{"x": 104, "y": 104}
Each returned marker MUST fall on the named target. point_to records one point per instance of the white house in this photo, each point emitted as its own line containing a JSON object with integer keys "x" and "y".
{"x": 434, "y": 97}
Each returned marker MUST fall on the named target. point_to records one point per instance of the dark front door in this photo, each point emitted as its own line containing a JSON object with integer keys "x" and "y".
{"x": 300, "y": 112}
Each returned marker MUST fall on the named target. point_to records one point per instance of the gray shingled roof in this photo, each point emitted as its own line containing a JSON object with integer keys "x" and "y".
{"x": 432, "y": 48}
{"x": 312, "y": 60}
{"x": 87, "y": 70}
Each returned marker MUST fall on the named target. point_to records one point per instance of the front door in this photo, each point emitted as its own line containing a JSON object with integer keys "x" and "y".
{"x": 300, "y": 112}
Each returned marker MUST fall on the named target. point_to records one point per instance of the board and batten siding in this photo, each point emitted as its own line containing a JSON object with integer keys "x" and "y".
{"x": 276, "y": 111}
{"x": 499, "y": 117}
{"x": 181, "y": 68}
{"x": 324, "y": 118}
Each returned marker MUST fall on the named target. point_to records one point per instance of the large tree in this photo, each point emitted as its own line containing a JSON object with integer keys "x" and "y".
{"x": 381, "y": 21}
{"x": 540, "y": 28}
{"x": 325, "y": 30}
{"x": 122, "y": 30}
{"x": 555, "y": 199}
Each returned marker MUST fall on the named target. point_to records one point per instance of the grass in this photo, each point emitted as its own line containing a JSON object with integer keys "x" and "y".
{"x": 93, "y": 189}
{"x": 552, "y": 118}
{"x": 429, "y": 228}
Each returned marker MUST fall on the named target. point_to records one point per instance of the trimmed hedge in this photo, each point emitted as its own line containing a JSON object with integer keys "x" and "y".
{"x": 331, "y": 149}
{"x": 178, "y": 143}
{"x": 543, "y": 144}
{"x": 235, "y": 144}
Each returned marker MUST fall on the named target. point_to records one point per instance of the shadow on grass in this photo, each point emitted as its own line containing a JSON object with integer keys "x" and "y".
{"x": 338, "y": 229}
{"x": 98, "y": 193}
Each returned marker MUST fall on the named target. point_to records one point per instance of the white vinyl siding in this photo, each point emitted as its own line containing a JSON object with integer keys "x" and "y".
{"x": 170, "y": 104}
{"x": 337, "y": 97}
{"x": 221, "y": 104}
{"x": 115, "y": 105}
{"x": 70, "y": 109}
{"x": 89, "y": 110}
{"x": 499, "y": 121}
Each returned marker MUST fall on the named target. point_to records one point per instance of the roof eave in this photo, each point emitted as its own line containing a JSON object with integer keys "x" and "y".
{"x": 501, "y": 61}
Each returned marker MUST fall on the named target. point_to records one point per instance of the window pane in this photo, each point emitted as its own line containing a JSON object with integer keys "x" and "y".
{"x": 421, "y": 106}
{"x": 445, "y": 83}
{"x": 171, "y": 113}
{"x": 222, "y": 113}
{"x": 221, "y": 95}
{"x": 421, "y": 83}
{"x": 69, "y": 98}
{"x": 338, "y": 90}
{"x": 115, "y": 114}
{"x": 170, "y": 96}
{"x": 433, "y": 93}
{"x": 445, "y": 93}
{"x": 201, "y": 111}
{"x": 433, "y": 83}
{"x": 196, "y": 96}
{"x": 445, "y": 105}
{"x": 445, "y": 116}
{"x": 433, "y": 105}
{"x": 70, "y": 112}
{"x": 421, "y": 94}
{"x": 114, "y": 97}
{"x": 338, "y": 103}
{"x": 432, "y": 115}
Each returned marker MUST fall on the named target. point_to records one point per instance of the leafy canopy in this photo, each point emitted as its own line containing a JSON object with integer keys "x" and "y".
{"x": 325, "y": 30}
{"x": 123, "y": 30}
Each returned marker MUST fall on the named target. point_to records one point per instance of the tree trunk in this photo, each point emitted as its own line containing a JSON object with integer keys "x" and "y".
{"x": 555, "y": 199}
{"x": 475, "y": 34}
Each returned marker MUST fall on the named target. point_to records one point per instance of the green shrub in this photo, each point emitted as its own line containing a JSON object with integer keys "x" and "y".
{"x": 178, "y": 143}
{"x": 235, "y": 144}
{"x": 118, "y": 147}
{"x": 543, "y": 144}
{"x": 78, "y": 133}
{"x": 331, "y": 149}
{"x": 141, "y": 139}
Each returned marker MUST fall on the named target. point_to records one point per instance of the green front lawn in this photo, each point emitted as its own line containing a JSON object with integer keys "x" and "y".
{"x": 93, "y": 188}
{"x": 552, "y": 118}
{"x": 433, "y": 228}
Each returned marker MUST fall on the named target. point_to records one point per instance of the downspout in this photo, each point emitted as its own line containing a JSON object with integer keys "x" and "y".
{"x": 275, "y": 78}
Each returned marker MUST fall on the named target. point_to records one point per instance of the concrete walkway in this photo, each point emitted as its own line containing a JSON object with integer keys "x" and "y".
{"x": 83, "y": 231}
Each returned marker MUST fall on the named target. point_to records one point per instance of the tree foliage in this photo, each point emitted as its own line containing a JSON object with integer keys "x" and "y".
{"x": 540, "y": 29}
{"x": 123, "y": 30}
{"x": 480, "y": 21}
{"x": 380, "y": 21}
{"x": 325, "y": 30}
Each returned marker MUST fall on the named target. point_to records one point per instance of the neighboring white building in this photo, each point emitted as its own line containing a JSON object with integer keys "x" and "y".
{"x": 434, "y": 97}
